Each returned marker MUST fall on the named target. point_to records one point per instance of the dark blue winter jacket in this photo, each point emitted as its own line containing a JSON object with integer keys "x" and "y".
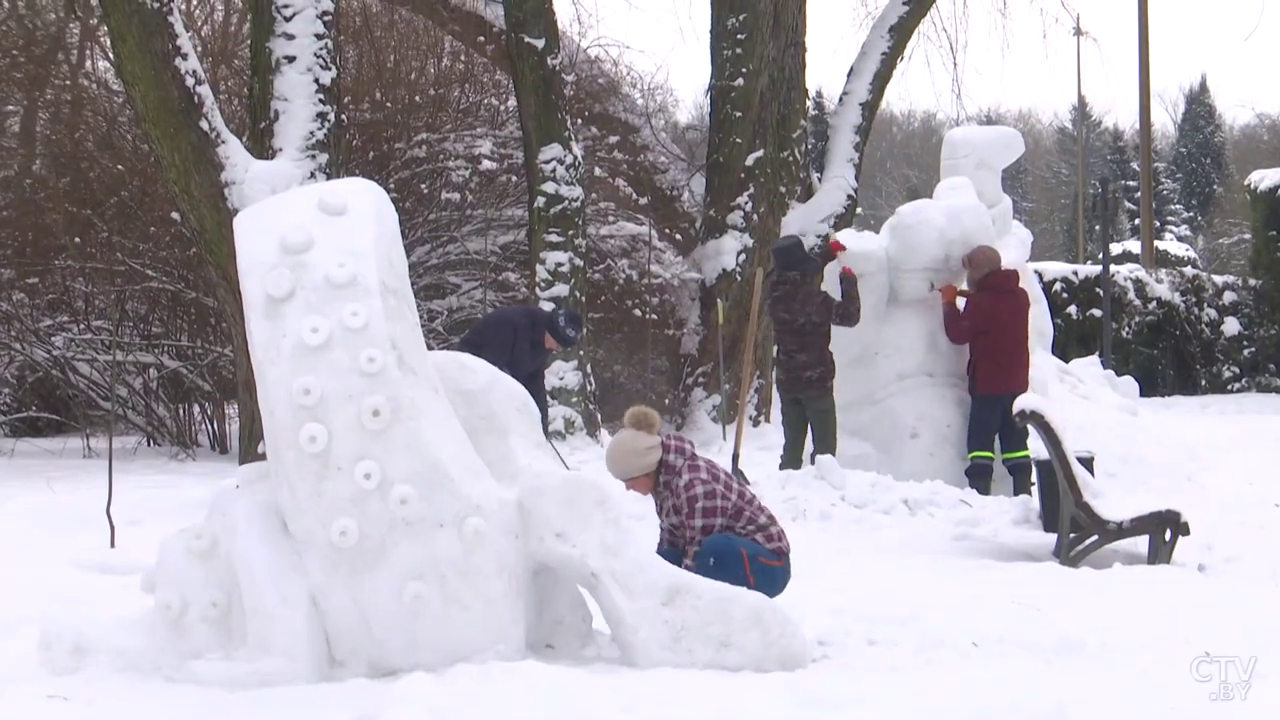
{"x": 513, "y": 339}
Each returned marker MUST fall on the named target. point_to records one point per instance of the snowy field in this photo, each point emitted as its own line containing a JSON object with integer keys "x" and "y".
{"x": 921, "y": 600}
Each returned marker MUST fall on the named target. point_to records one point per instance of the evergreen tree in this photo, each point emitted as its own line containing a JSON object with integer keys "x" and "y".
{"x": 1122, "y": 168}
{"x": 1063, "y": 174}
{"x": 819, "y": 132}
{"x": 1200, "y": 161}
{"x": 1172, "y": 221}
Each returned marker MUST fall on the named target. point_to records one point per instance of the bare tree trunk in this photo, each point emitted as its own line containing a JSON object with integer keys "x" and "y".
{"x": 145, "y": 44}
{"x": 553, "y": 169}
{"x": 757, "y": 102}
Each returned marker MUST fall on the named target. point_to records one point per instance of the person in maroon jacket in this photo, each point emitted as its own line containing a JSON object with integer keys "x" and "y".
{"x": 994, "y": 326}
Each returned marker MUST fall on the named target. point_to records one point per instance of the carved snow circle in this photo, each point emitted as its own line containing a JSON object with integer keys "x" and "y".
{"x": 371, "y": 361}
{"x": 341, "y": 274}
{"x": 354, "y": 316}
{"x": 307, "y": 391}
{"x": 200, "y": 542}
{"x": 297, "y": 240}
{"x": 171, "y": 606}
{"x": 375, "y": 412}
{"x": 344, "y": 532}
{"x": 473, "y": 528}
{"x": 368, "y": 474}
{"x": 279, "y": 283}
{"x": 414, "y": 591}
{"x": 332, "y": 203}
{"x": 313, "y": 437}
{"x": 403, "y": 500}
{"x": 315, "y": 330}
{"x": 214, "y": 606}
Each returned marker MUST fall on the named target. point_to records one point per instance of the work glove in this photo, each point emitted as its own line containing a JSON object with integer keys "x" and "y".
{"x": 949, "y": 293}
{"x": 836, "y": 246}
{"x": 848, "y": 271}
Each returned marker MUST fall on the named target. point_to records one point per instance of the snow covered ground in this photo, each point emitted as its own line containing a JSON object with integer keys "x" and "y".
{"x": 922, "y": 600}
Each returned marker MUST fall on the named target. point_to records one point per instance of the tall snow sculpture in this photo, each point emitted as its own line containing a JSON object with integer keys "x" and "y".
{"x": 408, "y": 518}
{"x": 982, "y": 153}
{"x": 901, "y": 388}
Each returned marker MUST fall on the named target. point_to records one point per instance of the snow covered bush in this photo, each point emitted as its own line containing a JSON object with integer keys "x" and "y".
{"x": 1178, "y": 331}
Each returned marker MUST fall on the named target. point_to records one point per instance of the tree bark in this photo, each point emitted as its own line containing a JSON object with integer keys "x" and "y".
{"x": 144, "y": 44}
{"x": 835, "y": 203}
{"x": 755, "y": 145}
{"x": 553, "y": 170}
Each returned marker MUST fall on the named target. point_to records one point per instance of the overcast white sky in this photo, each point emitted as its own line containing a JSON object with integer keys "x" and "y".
{"x": 1025, "y": 61}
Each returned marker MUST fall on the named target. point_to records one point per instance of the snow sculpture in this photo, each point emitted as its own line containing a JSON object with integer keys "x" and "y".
{"x": 901, "y": 386}
{"x": 981, "y": 153}
{"x": 408, "y": 518}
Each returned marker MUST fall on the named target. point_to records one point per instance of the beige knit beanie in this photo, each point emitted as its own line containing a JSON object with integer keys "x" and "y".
{"x": 637, "y": 448}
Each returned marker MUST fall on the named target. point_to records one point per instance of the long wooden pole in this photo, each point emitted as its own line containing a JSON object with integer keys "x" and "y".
{"x": 1147, "y": 202}
{"x": 748, "y": 368}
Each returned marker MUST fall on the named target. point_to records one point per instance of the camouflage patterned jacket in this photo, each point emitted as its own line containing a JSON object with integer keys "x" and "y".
{"x": 802, "y": 314}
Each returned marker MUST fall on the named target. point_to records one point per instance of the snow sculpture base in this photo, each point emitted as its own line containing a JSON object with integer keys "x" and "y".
{"x": 901, "y": 386}
{"x": 411, "y": 515}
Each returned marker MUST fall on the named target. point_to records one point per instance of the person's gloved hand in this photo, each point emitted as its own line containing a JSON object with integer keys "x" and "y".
{"x": 949, "y": 293}
{"x": 846, "y": 271}
{"x": 836, "y": 246}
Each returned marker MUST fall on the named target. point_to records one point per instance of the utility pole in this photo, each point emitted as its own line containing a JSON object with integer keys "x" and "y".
{"x": 1147, "y": 202}
{"x": 1080, "y": 169}
{"x": 1110, "y": 210}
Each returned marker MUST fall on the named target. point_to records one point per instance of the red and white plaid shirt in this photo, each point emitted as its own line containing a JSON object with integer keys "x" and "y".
{"x": 695, "y": 498}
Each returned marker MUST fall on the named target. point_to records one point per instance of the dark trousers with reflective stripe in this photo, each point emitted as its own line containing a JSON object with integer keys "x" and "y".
{"x": 991, "y": 416}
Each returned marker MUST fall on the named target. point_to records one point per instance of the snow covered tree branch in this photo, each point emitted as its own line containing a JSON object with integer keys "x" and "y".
{"x": 836, "y": 201}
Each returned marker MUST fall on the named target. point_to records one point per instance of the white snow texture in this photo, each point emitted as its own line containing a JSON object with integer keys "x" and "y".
{"x": 901, "y": 388}
{"x": 408, "y": 518}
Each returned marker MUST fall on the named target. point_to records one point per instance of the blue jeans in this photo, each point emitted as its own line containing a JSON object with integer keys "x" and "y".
{"x": 737, "y": 561}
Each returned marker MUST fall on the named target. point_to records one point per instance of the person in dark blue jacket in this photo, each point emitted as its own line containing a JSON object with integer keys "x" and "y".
{"x": 519, "y": 340}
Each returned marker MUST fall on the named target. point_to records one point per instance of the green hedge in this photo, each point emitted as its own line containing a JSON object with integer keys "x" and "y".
{"x": 1177, "y": 331}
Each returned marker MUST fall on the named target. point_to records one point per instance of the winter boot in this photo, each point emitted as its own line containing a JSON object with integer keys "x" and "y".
{"x": 1021, "y": 479}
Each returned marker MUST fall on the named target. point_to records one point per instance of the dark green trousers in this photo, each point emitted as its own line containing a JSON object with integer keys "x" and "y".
{"x": 800, "y": 414}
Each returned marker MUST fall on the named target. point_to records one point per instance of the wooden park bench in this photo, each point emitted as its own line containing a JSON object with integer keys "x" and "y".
{"x": 1091, "y": 531}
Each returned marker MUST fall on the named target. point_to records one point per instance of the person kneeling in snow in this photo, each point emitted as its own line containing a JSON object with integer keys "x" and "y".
{"x": 711, "y": 524}
{"x": 802, "y": 314}
{"x": 994, "y": 325}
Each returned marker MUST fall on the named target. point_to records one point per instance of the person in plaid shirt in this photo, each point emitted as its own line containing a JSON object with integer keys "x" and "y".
{"x": 712, "y": 524}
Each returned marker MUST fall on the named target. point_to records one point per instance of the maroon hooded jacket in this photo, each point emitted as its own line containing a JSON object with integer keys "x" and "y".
{"x": 994, "y": 325}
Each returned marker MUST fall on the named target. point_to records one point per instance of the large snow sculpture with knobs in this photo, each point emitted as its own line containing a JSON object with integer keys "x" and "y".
{"x": 408, "y": 518}
{"x": 901, "y": 386}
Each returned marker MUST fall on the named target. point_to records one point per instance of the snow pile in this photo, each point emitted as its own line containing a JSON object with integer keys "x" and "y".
{"x": 410, "y": 516}
{"x": 901, "y": 386}
{"x": 1263, "y": 180}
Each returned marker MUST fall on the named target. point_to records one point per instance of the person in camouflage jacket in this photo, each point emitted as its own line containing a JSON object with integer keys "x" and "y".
{"x": 802, "y": 314}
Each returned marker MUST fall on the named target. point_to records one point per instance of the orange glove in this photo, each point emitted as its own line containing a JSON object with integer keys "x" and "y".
{"x": 949, "y": 293}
